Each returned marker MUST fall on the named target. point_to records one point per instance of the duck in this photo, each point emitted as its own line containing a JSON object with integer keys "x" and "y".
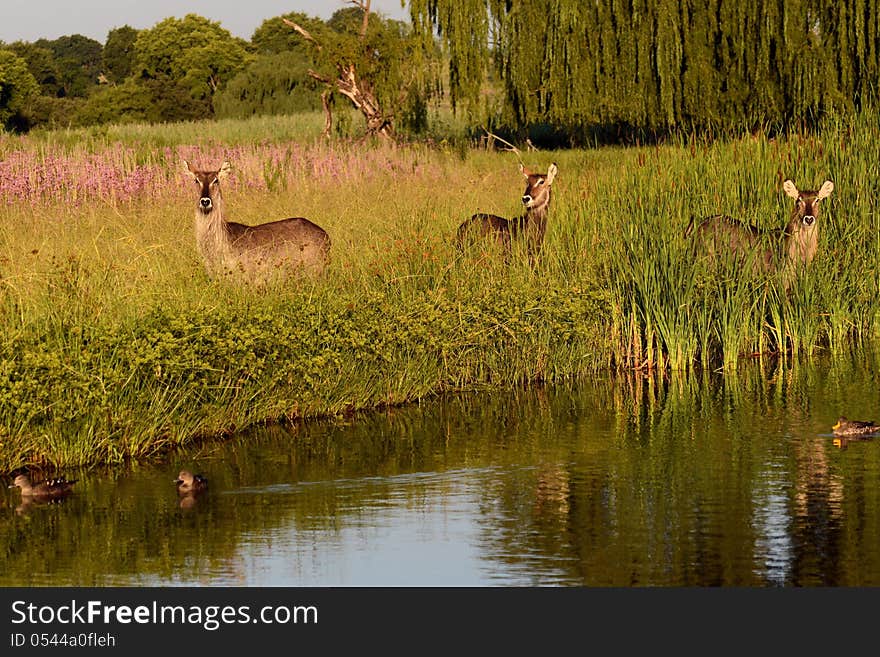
{"x": 44, "y": 490}
{"x": 846, "y": 427}
{"x": 188, "y": 483}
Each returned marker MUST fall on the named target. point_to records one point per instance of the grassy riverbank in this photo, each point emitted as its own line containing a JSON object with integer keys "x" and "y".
{"x": 117, "y": 346}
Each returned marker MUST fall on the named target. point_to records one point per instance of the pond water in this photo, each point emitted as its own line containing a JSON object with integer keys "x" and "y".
{"x": 697, "y": 480}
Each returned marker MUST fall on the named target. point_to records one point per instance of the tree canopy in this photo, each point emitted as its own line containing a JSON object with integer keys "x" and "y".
{"x": 271, "y": 84}
{"x": 662, "y": 63}
{"x": 17, "y": 89}
{"x": 78, "y": 60}
{"x": 378, "y": 64}
{"x": 191, "y": 55}
{"x": 579, "y": 67}
{"x": 119, "y": 53}
{"x": 273, "y": 36}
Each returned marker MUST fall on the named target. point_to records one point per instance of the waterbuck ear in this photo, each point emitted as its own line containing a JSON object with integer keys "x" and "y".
{"x": 825, "y": 190}
{"x": 525, "y": 172}
{"x": 225, "y": 170}
{"x": 790, "y": 189}
{"x": 187, "y": 169}
{"x": 551, "y": 174}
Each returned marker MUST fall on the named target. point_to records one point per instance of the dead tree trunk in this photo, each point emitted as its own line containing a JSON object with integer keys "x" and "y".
{"x": 328, "y": 113}
{"x": 359, "y": 92}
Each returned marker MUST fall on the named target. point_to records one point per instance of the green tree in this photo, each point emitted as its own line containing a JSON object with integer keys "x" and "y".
{"x": 271, "y": 84}
{"x": 18, "y": 89}
{"x": 121, "y": 103}
{"x": 184, "y": 62}
{"x": 273, "y": 36}
{"x": 119, "y": 53}
{"x": 78, "y": 60}
{"x": 41, "y": 63}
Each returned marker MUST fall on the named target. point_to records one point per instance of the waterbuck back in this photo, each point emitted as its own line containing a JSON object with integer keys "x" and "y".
{"x": 532, "y": 224}
{"x": 767, "y": 250}
{"x": 276, "y": 249}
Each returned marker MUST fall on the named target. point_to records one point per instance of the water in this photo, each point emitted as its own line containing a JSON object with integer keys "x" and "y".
{"x": 704, "y": 480}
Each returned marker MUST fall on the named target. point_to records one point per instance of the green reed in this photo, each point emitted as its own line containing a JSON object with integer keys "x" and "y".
{"x": 678, "y": 308}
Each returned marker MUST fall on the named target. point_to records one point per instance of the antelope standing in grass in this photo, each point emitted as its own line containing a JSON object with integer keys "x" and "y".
{"x": 532, "y": 224}
{"x": 277, "y": 248}
{"x": 795, "y": 245}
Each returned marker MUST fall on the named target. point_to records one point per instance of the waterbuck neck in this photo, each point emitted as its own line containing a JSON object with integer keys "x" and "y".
{"x": 212, "y": 236}
{"x": 538, "y": 207}
{"x": 802, "y": 232}
{"x": 801, "y": 242}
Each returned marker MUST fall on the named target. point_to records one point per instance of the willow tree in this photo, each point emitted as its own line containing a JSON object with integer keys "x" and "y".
{"x": 660, "y": 64}
{"x": 371, "y": 61}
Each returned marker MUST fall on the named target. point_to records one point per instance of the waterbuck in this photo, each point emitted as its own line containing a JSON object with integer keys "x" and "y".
{"x": 533, "y": 224}
{"x": 258, "y": 253}
{"x": 790, "y": 247}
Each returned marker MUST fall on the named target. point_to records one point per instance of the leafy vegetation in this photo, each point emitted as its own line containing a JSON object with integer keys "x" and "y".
{"x": 17, "y": 88}
{"x": 116, "y": 345}
{"x": 660, "y": 65}
{"x": 191, "y": 68}
{"x": 568, "y": 72}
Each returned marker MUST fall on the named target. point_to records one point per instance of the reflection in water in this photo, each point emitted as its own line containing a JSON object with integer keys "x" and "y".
{"x": 30, "y": 503}
{"x": 818, "y": 508}
{"x": 842, "y": 442}
{"x": 699, "y": 480}
{"x": 772, "y": 525}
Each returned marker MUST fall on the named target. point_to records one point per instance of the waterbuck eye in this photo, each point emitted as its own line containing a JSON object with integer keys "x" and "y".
{"x": 540, "y": 181}
{"x": 216, "y": 181}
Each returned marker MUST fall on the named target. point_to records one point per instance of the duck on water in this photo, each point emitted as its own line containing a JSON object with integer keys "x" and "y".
{"x": 845, "y": 427}
{"x": 47, "y": 490}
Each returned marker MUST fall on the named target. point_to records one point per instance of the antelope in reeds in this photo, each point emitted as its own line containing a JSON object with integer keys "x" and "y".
{"x": 282, "y": 248}
{"x": 532, "y": 224}
{"x": 788, "y": 248}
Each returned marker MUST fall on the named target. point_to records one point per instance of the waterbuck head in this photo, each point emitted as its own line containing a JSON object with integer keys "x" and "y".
{"x": 209, "y": 185}
{"x": 802, "y": 232}
{"x": 537, "y": 194}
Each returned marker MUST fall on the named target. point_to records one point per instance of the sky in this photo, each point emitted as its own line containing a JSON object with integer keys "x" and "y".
{"x": 29, "y": 20}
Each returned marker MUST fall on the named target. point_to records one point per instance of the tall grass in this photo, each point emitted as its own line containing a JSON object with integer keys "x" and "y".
{"x": 116, "y": 345}
{"x": 675, "y": 308}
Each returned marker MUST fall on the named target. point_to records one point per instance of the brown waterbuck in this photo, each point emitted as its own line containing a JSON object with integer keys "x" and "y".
{"x": 274, "y": 249}
{"x": 769, "y": 250}
{"x": 532, "y": 224}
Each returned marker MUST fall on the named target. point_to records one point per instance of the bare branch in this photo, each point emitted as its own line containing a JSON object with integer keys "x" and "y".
{"x": 366, "y": 18}
{"x": 328, "y": 113}
{"x": 320, "y": 78}
{"x": 301, "y": 30}
{"x": 511, "y": 147}
{"x": 364, "y": 5}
